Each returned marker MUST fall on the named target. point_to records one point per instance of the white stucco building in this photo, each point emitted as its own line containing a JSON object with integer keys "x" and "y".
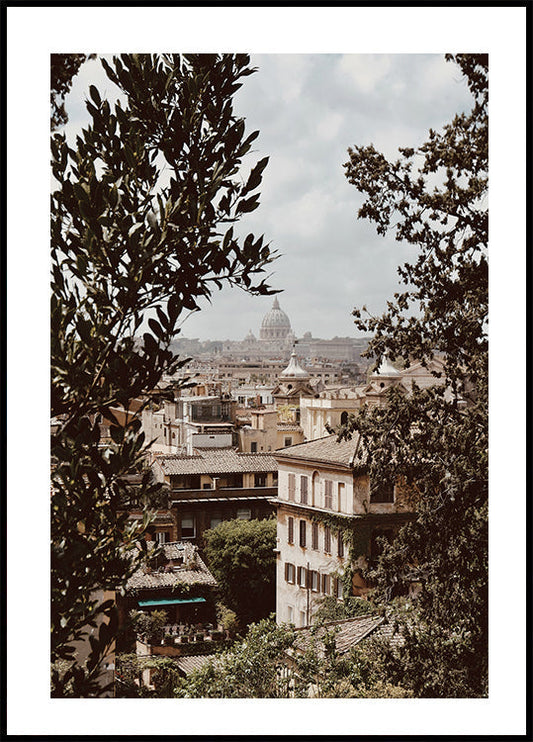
{"x": 322, "y": 488}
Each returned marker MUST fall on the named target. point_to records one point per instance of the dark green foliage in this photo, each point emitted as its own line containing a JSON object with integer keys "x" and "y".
{"x": 436, "y": 440}
{"x": 330, "y": 609}
{"x": 63, "y": 68}
{"x": 265, "y": 665}
{"x": 240, "y": 554}
{"x": 250, "y": 669}
{"x": 142, "y": 217}
{"x": 150, "y": 624}
{"x": 129, "y": 671}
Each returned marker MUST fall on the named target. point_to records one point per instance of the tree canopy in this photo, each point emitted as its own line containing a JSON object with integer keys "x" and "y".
{"x": 63, "y": 69}
{"x": 142, "y": 227}
{"x": 269, "y": 664}
{"x": 240, "y": 554}
{"x": 435, "y": 197}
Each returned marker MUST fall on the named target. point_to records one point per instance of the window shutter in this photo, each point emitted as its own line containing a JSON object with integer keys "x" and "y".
{"x": 328, "y": 494}
{"x": 289, "y": 572}
{"x": 292, "y": 486}
{"x": 302, "y": 577}
{"x": 314, "y": 536}
{"x": 290, "y": 537}
{"x": 303, "y": 532}
{"x": 303, "y": 490}
{"x": 327, "y": 539}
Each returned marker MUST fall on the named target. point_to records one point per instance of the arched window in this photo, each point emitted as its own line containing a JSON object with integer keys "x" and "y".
{"x": 344, "y": 418}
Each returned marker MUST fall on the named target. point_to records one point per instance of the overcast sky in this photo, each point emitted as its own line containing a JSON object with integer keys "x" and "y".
{"x": 309, "y": 108}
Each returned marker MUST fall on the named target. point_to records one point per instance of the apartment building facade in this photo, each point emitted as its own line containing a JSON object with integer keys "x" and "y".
{"x": 323, "y": 501}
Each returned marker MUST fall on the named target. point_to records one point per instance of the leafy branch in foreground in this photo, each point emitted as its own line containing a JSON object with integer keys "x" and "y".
{"x": 142, "y": 217}
{"x": 435, "y": 197}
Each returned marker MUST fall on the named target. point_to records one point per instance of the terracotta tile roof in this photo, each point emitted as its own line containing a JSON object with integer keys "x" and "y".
{"x": 155, "y": 580}
{"x": 193, "y": 662}
{"x": 217, "y": 461}
{"x": 348, "y": 632}
{"x": 327, "y": 450}
{"x": 391, "y": 632}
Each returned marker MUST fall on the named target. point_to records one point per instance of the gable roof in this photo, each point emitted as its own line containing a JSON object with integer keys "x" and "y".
{"x": 325, "y": 450}
{"x": 216, "y": 461}
{"x": 348, "y": 633}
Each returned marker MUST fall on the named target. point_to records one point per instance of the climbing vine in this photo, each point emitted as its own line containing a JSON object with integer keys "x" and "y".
{"x": 355, "y": 534}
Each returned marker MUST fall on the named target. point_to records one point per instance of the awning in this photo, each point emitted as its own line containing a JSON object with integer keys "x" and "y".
{"x": 169, "y": 601}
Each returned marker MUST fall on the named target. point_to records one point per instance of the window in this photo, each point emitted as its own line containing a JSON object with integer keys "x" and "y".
{"x": 303, "y": 490}
{"x": 302, "y": 576}
{"x": 290, "y": 530}
{"x": 303, "y": 532}
{"x": 383, "y": 493}
{"x": 244, "y": 514}
{"x": 161, "y": 537}
{"x": 289, "y": 572}
{"x": 287, "y": 441}
{"x": 260, "y": 480}
{"x": 314, "y": 536}
{"x": 207, "y": 486}
{"x": 290, "y": 614}
{"x": 292, "y": 486}
{"x": 327, "y": 539}
{"x": 340, "y": 544}
{"x": 188, "y": 529}
{"x": 253, "y": 447}
{"x": 328, "y": 494}
{"x": 314, "y": 578}
{"x": 338, "y": 588}
{"x": 344, "y": 418}
{"x": 214, "y": 521}
{"x": 303, "y": 620}
{"x": 326, "y": 584}
{"x": 341, "y": 498}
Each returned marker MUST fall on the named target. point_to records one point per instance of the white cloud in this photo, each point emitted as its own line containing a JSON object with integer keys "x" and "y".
{"x": 365, "y": 71}
{"x": 328, "y": 126}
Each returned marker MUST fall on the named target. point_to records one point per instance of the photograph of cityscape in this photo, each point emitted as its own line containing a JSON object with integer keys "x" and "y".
{"x": 277, "y": 474}
{"x": 269, "y": 376}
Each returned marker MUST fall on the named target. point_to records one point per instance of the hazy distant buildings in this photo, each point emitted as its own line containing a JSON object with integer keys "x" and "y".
{"x": 276, "y": 340}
